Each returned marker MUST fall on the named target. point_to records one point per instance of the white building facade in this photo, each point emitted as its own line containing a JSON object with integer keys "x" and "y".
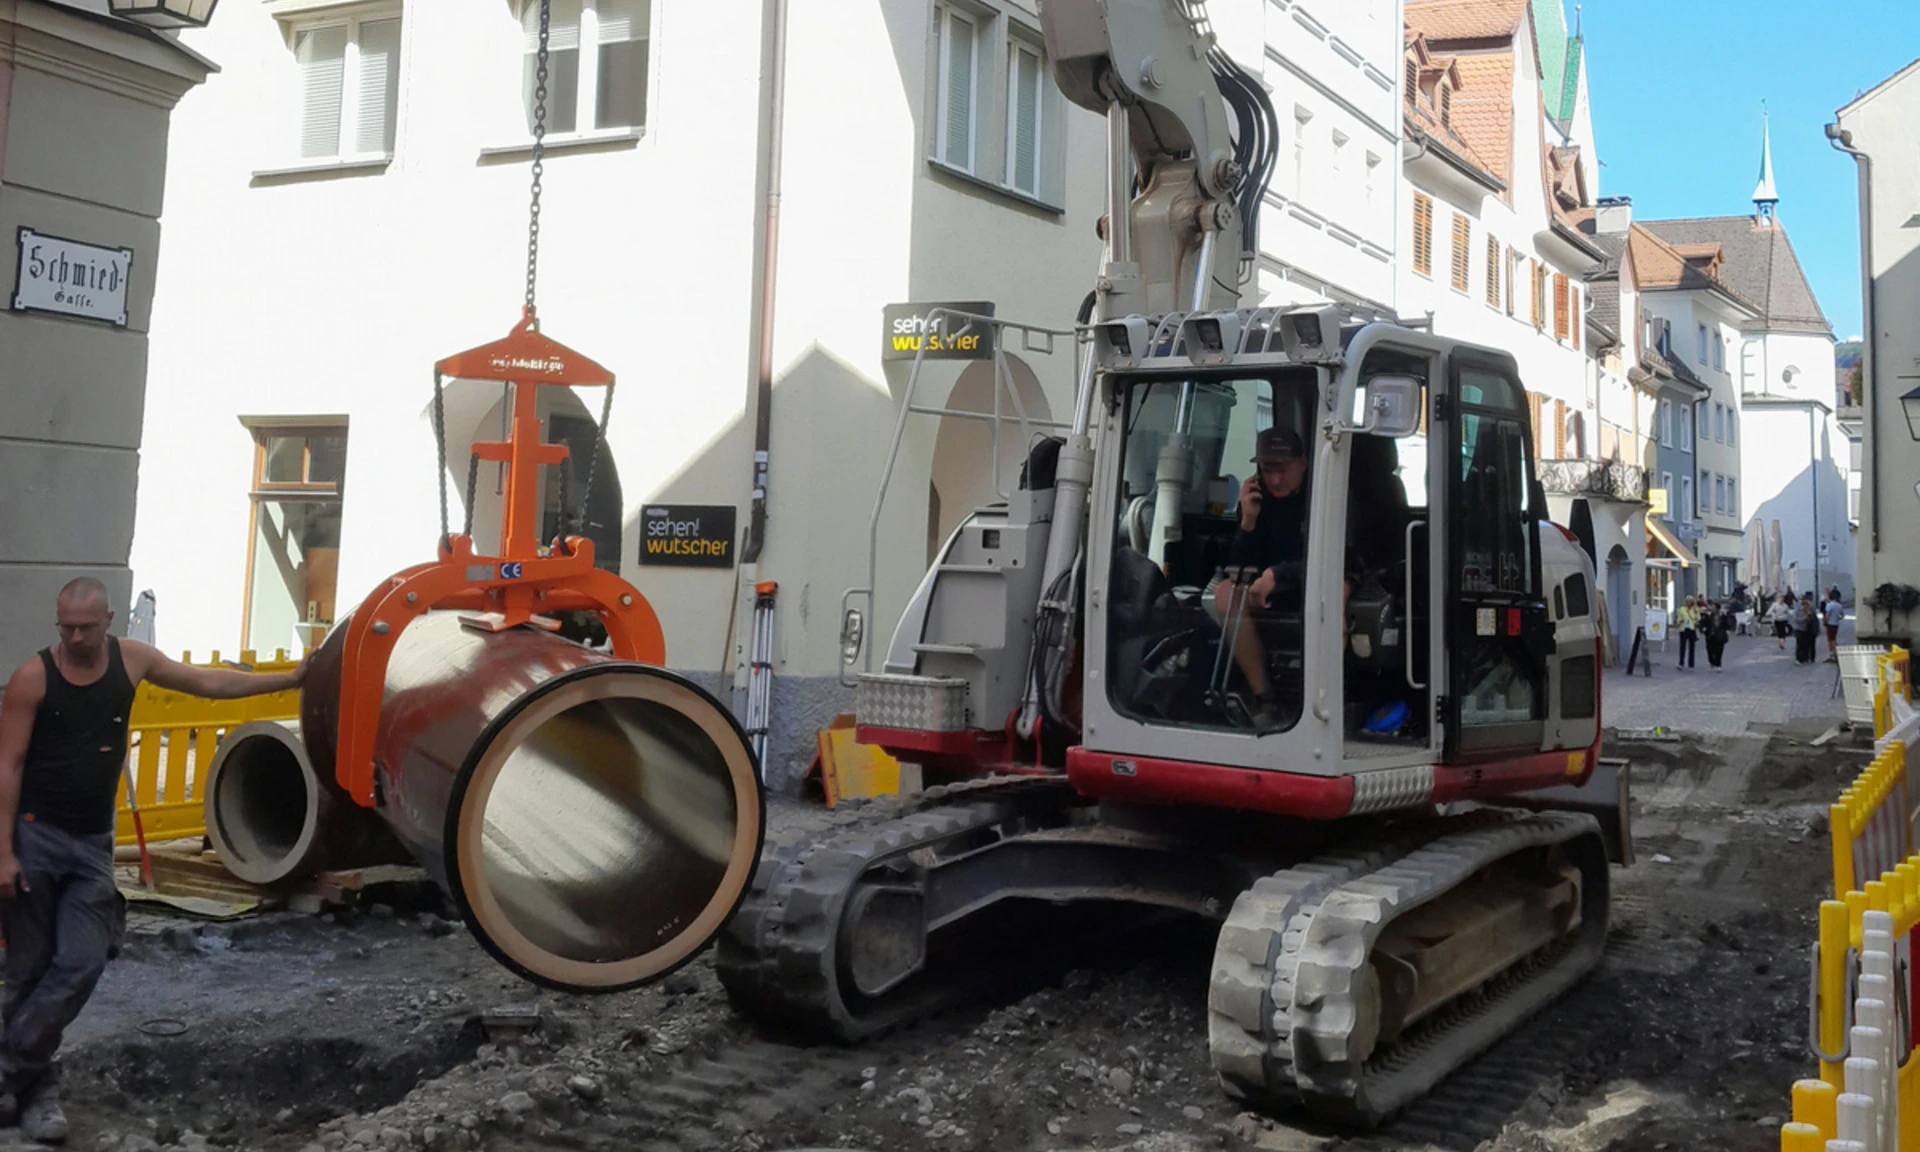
{"x": 376, "y": 157}
{"x": 1877, "y": 129}
{"x": 1332, "y": 69}
{"x": 1792, "y": 453}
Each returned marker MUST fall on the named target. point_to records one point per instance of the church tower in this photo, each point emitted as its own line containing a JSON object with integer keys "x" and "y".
{"x": 1765, "y": 199}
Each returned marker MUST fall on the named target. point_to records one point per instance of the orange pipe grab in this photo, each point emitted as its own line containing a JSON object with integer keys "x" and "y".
{"x": 521, "y": 585}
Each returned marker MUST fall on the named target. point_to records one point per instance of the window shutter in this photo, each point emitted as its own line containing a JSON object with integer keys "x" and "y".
{"x": 1461, "y": 232}
{"x": 563, "y": 25}
{"x": 1446, "y": 103}
{"x": 1025, "y": 174}
{"x": 1534, "y": 290}
{"x": 1513, "y": 277}
{"x": 1413, "y": 80}
{"x": 621, "y": 20}
{"x": 1422, "y": 234}
{"x": 1559, "y": 429}
{"x": 1534, "y": 401}
{"x": 1493, "y": 272}
{"x": 960, "y": 69}
{"x": 1559, "y": 306}
{"x": 322, "y": 56}
{"x": 1573, "y": 299}
{"x": 379, "y": 85}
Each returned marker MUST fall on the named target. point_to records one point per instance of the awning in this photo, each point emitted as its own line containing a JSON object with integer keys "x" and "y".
{"x": 1672, "y": 544}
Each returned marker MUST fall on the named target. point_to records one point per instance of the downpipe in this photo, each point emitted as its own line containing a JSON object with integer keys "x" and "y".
{"x": 593, "y": 821}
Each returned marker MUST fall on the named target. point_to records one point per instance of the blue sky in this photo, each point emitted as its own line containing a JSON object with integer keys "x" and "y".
{"x": 1676, "y": 88}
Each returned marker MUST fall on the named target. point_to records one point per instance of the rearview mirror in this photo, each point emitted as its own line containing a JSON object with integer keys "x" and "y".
{"x": 1387, "y": 406}
{"x": 853, "y": 628}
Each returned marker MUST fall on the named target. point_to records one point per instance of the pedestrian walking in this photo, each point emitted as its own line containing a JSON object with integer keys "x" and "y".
{"x": 1780, "y": 615}
{"x": 1833, "y": 612}
{"x": 1717, "y": 624}
{"x": 1687, "y": 620}
{"x": 1805, "y": 621}
{"x": 63, "y": 745}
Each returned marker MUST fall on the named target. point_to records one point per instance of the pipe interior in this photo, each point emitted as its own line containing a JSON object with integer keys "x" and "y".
{"x": 261, "y": 796}
{"x": 608, "y": 830}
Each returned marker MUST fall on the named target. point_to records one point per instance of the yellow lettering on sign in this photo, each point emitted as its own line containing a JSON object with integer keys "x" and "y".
{"x": 905, "y": 343}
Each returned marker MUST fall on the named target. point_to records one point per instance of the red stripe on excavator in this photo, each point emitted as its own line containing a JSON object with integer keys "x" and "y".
{"x": 1106, "y": 776}
{"x": 1544, "y": 770}
{"x": 958, "y": 743}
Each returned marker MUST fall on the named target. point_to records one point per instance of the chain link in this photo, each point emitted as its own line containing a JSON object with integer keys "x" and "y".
{"x": 593, "y": 464}
{"x": 539, "y": 155}
{"x": 473, "y": 483}
{"x": 440, "y": 445}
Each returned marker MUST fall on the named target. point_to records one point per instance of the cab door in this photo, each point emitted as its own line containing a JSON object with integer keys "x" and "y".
{"x": 1498, "y": 630}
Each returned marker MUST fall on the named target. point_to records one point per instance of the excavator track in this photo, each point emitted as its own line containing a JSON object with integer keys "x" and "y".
{"x": 1292, "y": 1001}
{"x": 781, "y": 956}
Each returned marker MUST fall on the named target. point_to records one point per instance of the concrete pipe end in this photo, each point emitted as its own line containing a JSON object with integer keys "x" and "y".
{"x": 262, "y": 802}
{"x": 603, "y": 830}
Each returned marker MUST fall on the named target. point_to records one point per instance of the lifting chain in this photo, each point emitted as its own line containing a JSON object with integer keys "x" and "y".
{"x": 539, "y": 157}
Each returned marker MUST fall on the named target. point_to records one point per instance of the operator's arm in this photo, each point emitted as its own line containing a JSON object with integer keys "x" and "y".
{"x": 17, "y": 709}
{"x": 145, "y": 662}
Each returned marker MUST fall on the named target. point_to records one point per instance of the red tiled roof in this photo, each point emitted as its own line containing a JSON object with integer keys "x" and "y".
{"x": 1443, "y": 20}
{"x": 1483, "y": 109}
{"x": 1658, "y": 264}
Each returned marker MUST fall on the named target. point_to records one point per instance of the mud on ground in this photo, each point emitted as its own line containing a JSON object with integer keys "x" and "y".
{"x": 364, "y": 1031}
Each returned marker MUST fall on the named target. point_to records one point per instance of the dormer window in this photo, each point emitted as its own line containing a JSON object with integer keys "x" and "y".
{"x": 1446, "y": 105}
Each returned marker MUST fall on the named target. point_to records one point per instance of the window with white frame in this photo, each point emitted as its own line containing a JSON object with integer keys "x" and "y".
{"x": 1733, "y": 497}
{"x": 349, "y": 84}
{"x": 1720, "y": 354}
{"x": 1666, "y": 425}
{"x": 1703, "y": 343}
{"x": 1719, "y": 493}
{"x": 1705, "y": 493}
{"x": 1688, "y": 510}
{"x": 1732, "y": 421}
{"x": 1686, "y": 426}
{"x": 1719, "y": 424}
{"x": 959, "y": 88}
{"x": 1026, "y": 84}
{"x": 1666, "y": 485}
{"x": 597, "y": 62}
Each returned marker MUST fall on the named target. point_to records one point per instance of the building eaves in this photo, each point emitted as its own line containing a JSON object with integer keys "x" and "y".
{"x": 94, "y": 12}
{"x": 1455, "y": 151}
{"x": 1875, "y": 91}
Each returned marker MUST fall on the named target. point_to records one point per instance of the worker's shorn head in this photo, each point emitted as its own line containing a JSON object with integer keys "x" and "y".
{"x": 1282, "y": 460}
{"x": 82, "y": 614}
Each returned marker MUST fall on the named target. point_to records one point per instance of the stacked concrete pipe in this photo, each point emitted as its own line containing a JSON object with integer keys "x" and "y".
{"x": 593, "y": 821}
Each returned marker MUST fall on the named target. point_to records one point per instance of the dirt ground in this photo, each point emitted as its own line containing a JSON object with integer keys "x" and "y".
{"x": 365, "y": 1031}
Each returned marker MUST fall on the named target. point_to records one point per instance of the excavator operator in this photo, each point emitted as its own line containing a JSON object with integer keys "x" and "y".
{"x": 1272, "y": 541}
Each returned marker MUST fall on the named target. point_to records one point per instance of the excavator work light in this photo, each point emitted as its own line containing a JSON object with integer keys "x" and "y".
{"x": 1210, "y": 336}
{"x": 1123, "y": 340}
{"x": 1311, "y": 333}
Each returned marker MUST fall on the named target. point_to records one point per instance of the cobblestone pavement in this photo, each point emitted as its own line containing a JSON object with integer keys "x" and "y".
{"x": 1760, "y": 685}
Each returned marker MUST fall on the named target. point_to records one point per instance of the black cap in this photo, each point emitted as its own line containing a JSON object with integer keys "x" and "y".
{"x": 1277, "y": 445}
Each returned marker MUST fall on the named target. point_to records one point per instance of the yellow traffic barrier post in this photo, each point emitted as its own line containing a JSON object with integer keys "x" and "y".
{"x": 1814, "y": 1106}
{"x": 1831, "y": 1003}
{"x": 1798, "y": 1137}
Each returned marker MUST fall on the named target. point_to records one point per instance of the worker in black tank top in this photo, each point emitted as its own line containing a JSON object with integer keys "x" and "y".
{"x": 63, "y": 747}
{"x": 79, "y": 743}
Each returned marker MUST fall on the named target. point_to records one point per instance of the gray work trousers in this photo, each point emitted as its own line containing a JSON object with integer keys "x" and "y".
{"x": 60, "y": 934}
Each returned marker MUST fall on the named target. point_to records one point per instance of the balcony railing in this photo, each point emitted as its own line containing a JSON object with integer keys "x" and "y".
{"x": 1610, "y": 478}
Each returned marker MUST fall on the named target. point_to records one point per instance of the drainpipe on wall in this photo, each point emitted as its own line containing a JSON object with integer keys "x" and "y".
{"x": 766, "y": 253}
{"x": 1842, "y": 141}
{"x": 773, "y": 66}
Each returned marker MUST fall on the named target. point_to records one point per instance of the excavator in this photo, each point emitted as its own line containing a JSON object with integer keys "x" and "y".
{"x": 1277, "y": 634}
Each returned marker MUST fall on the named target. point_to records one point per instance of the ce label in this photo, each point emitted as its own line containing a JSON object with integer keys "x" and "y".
{"x": 510, "y": 570}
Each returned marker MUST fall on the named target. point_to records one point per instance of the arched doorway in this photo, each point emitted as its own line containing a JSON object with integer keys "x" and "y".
{"x": 480, "y": 409}
{"x": 963, "y": 474}
{"x": 1620, "y": 597}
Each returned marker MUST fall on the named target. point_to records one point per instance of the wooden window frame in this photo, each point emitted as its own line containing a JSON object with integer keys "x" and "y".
{"x": 259, "y": 489}
{"x": 1423, "y": 234}
{"x": 1493, "y": 272}
{"x": 1461, "y": 266}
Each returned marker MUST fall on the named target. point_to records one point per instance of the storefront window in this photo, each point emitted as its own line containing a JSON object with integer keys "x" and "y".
{"x": 293, "y": 552}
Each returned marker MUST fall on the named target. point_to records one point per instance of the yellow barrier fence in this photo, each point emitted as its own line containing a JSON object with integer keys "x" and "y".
{"x": 1871, "y": 823}
{"x": 1896, "y": 679}
{"x": 1863, "y": 985}
{"x": 173, "y": 737}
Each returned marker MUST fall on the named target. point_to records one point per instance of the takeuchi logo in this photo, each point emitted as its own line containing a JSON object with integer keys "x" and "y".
{"x": 552, "y": 365}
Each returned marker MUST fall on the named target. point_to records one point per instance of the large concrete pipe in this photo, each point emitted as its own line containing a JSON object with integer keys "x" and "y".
{"x": 272, "y": 817}
{"x": 594, "y": 821}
